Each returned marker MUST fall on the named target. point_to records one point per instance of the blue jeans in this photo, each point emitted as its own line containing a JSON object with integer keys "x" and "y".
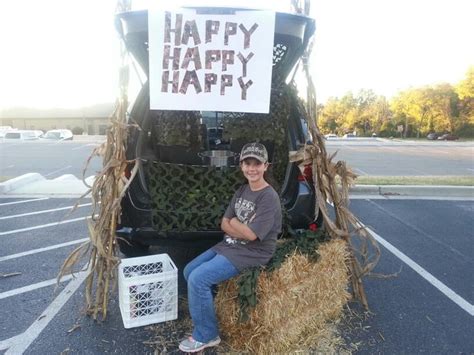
{"x": 201, "y": 274}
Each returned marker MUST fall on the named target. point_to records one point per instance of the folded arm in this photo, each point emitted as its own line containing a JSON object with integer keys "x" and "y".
{"x": 237, "y": 229}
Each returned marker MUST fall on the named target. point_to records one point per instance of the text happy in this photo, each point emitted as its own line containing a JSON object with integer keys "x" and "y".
{"x": 182, "y": 46}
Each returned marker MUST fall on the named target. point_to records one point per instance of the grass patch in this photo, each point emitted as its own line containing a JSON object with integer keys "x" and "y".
{"x": 424, "y": 139}
{"x": 416, "y": 180}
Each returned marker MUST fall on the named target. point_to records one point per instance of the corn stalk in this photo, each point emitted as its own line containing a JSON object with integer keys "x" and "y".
{"x": 107, "y": 191}
{"x": 332, "y": 182}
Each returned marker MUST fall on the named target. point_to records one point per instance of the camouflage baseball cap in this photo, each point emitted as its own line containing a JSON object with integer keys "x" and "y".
{"x": 254, "y": 150}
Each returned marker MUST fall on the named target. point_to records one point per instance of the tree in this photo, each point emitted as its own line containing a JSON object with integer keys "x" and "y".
{"x": 381, "y": 117}
{"x": 465, "y": 91}
{"x": 427, "y": 109}
{"x": 335, "y": 113}
{"x": 403, "y": 110}
{"x": 465, "y": 88}
{"x": 364, "y": 113}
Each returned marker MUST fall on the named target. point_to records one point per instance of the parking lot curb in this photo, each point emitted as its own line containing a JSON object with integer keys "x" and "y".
{"x": 34, "y": 184}
{"x": 414, "y": 190}
{"x": 20, "y": 181}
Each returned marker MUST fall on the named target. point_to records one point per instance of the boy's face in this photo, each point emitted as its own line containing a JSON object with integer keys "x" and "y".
{"x": 253, "y": 169}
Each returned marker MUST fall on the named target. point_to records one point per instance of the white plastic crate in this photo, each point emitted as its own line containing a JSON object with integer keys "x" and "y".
{"x": 148, "y": 290}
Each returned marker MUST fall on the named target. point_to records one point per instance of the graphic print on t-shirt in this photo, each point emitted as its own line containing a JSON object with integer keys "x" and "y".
{"x": 245, "y": 212}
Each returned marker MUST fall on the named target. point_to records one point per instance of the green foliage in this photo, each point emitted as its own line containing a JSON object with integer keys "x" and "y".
{"x": 364, "y": 113}
{"x": 465, "y": 91}
{"x": 465, "y": 88}
{"x": 436, "y": 108}
{"x": 247, "y": 292}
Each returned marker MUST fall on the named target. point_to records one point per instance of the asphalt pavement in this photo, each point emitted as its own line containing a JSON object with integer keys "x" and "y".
{"x": 383, "y": 157}
{"x": 422, "y": 300}
{"x": 426, "y": 305}
{"x": 366, "y": 156}
{"x": 51, "y": 159}
{"x": 36, "y": 316}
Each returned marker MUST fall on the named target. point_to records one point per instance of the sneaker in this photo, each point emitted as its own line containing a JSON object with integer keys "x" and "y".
{"x": 190, "y": 345}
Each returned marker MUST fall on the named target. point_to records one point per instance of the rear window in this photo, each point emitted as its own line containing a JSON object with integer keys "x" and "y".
{"x": 13, "y": 135}
{"x": 56, "y": 135}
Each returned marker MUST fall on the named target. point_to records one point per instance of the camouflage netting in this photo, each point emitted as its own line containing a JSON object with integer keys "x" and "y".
{"x": 190, "y": 197}
{"x": 178, "y": 128}
{"x": 194, "y": 197}
{"x": 270, "y": 129}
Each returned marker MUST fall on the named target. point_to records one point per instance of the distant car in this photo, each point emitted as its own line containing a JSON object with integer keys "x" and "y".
{"x": 38, "y": 133}
{"x": 448, "y": 137}
{"x": 432, "y": 136}
{"x": 349, "y": 135}
{"x": 58, "y": 134}
{"x": 21, "y": 135}
{"x": 330, "y": 136}
{"x": 5, "y": 129}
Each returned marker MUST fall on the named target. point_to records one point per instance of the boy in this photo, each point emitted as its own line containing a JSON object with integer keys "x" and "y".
{"x": 251, "y": 225}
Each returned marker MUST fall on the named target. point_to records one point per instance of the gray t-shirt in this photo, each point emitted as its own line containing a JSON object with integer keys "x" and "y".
{"x": 261, "y": 212}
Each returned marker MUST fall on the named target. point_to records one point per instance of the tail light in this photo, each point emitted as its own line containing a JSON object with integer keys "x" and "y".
{"x": 307, "y": 174}
{"x": 128, "y": 170}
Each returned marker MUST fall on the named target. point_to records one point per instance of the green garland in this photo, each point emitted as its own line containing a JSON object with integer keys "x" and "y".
{"x": 305, "y": 243}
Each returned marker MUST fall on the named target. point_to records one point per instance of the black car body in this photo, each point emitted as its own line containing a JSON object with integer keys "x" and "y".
{"x": 179, "y": 193}
{"x": 432, "y": 136}
{"x": 448, "y": 137}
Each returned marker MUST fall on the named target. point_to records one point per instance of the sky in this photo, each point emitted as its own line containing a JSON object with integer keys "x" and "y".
{"x": 65, "y": 53}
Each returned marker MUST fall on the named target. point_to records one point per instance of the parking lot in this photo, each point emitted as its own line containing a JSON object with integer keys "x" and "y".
{"x": 383, "y": 157}
{"x": 50, "y": 159}
{"x": 426, "y": 307}
{"x": 35, "y": 314}
{"x": 366, "y": 156}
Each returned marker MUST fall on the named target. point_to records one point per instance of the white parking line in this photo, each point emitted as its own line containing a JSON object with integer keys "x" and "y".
{"x": 453, "y": 296}
{"x": 361, "y": 171}
{"x": 43, "y": 226}
{"x": 399, "y": 197}
{"x": 57, "y": 171}
{"x": 18, "y": 344}
{"x": 32, "y": 287}
{"x": 40, "y": 250}
{"x": 86, "y": 145}
{"x": 23, "y": 201}
{"x": 44, "y": 211}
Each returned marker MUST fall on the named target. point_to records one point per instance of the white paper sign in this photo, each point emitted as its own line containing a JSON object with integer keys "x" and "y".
{"x": 210, "y": 62}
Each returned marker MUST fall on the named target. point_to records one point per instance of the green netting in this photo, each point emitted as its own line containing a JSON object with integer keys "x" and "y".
{"x": 190, "y": 197}
{"x": 178, "y": 128}
{"x": 265, "y": 128}
{"x": 194, "y": 197}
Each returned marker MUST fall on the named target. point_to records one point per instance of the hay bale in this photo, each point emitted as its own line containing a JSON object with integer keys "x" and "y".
{"x": 295, "y": 303}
